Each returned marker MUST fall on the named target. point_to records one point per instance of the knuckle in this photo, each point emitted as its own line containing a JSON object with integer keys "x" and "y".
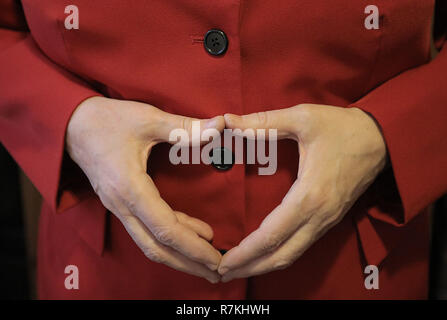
{"x": 304, "y": 116}
{"x": 282, "y": 263}
{"x": 334, "y": 218}
{"x": 115, "y": 183}
{"x": 324, "y": 205}
{"x": 262, "y": 118}
{"x": 304, "y": 109}
{"x": 108, "y": 198}
{"x": 101, "y": 183}
{"x": 130, "y": 205}
{"x": 153, "y": 255}
{"x": 165, "y": 235}
{"x": 313, "y": 199}
{"x": 128, "y": 190}
{"x": 271, "y": 242}
{"x": 321, "y": 194}
{"x": 96, "y": 187}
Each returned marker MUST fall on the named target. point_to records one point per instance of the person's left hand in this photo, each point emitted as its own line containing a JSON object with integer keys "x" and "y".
{"x": 341, "y": 153}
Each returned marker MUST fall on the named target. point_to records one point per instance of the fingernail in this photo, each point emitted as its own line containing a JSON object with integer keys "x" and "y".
{"x": 228, "y": 117}
{"x": 225, "y": 279}
{"x": 212, "y": 123}
{"x": 212, "y": 267}
{"x": 213, "y": 281}
{"x": 223, "y": 270}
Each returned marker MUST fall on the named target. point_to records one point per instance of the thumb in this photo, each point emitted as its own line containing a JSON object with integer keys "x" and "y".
{"x": 279, "y": 120}
{"x": 173, "y": 126}
{"x": 200, "y": 227}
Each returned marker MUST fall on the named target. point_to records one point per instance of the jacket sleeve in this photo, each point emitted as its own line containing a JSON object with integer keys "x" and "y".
{"x": 411, "y": 110}
{"x": 37, "y": 98}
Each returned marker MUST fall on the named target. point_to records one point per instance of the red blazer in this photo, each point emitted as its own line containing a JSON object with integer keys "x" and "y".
{"x": 280, "y": 53}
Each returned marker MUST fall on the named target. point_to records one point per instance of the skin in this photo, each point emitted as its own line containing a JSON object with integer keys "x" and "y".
{"x": 341, "y": 153}
{"x": 113, "y": 153}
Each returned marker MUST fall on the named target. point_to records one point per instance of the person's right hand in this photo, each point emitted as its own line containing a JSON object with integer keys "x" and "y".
{"x": 111, "y": 141}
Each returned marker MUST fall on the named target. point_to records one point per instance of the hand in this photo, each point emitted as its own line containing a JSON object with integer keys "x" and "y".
{"x": 341, "y": 153}
{"x": 111, "y": 141}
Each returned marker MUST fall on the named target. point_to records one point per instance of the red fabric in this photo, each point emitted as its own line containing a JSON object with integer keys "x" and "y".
{"x": 11, "y": 15}
{"x": 281, "y": 53}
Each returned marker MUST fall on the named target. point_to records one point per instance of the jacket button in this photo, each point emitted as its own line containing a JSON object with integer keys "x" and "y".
{"x": 222, "y": 158}
{"x": 215, "y": 42}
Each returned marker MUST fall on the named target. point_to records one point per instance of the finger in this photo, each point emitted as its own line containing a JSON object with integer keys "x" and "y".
{"x": 277, "y": 227}
{"x": 160, "y": 253}
{"x": 198, "y": 226}
{"x": 171, "y": 125}
{"x": 281, "y": 120}
{"x": 280, "y": 259}
{"x": 144, "y": 201}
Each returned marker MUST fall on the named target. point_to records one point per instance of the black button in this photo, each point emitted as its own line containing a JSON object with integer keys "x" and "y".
{"x": 215, "y": 42}
{"x": 222, "y": 158}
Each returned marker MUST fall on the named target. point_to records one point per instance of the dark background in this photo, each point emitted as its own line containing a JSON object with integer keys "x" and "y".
{"x": 18, "y": 227}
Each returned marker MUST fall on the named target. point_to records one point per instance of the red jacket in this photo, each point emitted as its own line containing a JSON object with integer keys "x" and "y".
{"x": 280, "y": 53}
